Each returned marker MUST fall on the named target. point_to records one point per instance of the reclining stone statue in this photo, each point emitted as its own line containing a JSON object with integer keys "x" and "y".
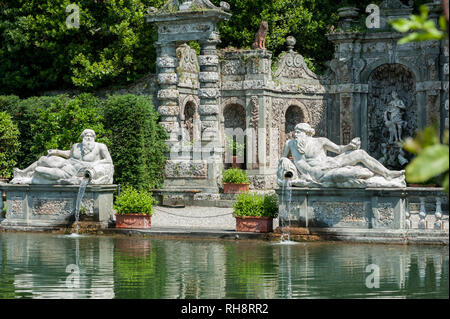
{"x": 352, "y": 167}
{"x": 86, "y": 159}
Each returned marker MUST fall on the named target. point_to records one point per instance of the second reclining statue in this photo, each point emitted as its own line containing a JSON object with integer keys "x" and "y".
{"x": 352, "y": 167}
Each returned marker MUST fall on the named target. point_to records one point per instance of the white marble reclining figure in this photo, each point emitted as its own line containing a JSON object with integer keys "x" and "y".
{"x": 311, "y": 167}
{"x": 71, "y": 166}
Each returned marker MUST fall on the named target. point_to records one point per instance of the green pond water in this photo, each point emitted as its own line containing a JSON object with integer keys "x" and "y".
{"x": 57, "y": 266}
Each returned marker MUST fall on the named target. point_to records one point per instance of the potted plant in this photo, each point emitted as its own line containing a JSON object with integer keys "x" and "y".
{"x": 134, "y": 208}
{"x": 254, "y": 212}
{"x": 237, "y": 150}
{"x": 235, "y": 180}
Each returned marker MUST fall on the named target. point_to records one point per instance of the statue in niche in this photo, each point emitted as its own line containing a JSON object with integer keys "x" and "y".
{"x": 260, "y": 37}
{"x": 85, "y": 159}
{"x": 352, "y": 167}
{"x": 393, "y": 118}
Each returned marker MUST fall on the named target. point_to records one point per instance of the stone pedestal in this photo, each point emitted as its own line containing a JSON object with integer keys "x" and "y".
{"x": 377, "y": 208}
{"x": 35, "y": 207}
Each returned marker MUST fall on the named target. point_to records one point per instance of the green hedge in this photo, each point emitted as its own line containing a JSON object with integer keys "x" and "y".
{"x": 9, "y": 145}
{"x": 127, "y": 124}
{"x": 235, "y": 176}
{"x": 50, "y": 122}
{"x": 138, "y": 141}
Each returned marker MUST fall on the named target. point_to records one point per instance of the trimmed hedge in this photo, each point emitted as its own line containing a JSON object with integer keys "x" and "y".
{"x": 9, "y": 145}
{"x": 138, "y": 141}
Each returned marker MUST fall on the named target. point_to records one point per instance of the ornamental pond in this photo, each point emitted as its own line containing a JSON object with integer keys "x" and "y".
{"x": 60, "y": 266}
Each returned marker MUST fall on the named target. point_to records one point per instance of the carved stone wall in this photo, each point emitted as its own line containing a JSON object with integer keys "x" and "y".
{"x": 370, "y": 64}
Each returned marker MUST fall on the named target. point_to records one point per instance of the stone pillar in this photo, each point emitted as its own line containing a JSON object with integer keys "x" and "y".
{"x": 209, "y": 92}
{"x": 346, "y": 118}
{"x": 445, "y": 84}
{"x": 168, "y": 91}
{"x": 208, "y": 110}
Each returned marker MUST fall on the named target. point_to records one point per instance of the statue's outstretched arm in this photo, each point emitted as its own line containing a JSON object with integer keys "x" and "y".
{"x": 339, "y": 149}
{"x": 332, "y": 147}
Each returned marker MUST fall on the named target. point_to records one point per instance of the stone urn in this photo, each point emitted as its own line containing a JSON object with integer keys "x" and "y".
{"x": 254, "y": 224}
{"x": 347, "y": 16}
{"x": 139, "y": 221}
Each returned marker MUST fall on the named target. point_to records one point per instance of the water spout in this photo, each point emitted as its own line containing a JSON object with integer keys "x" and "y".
{"x": 288, "y": 175}
{"x": 285, "y": 219}
{"x": 86, "y": 179}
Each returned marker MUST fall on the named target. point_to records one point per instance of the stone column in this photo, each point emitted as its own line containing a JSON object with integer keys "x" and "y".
{"x": 168, "y": 91}
{"x": 209, "y": 92}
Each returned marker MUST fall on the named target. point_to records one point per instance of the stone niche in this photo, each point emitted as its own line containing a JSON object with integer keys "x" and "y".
{"x": 384, "y": 80}
{"x": 37, "y": 207}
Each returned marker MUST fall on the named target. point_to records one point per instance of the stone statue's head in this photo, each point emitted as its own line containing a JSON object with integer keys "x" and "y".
{"x": 88, "y": 132}
{"x": 305, "y": 128}
{"x": 394, "y": 94}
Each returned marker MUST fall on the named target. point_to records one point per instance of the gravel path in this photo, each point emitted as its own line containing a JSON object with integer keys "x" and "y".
{"x": 196, "y": 217}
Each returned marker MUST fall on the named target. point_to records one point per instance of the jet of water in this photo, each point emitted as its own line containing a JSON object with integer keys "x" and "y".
{"x": 285, "y": 219}
{"x": 81, "y": 191}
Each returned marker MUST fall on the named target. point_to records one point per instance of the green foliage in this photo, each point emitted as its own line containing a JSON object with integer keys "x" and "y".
{"x": 23, "y": 115}
{"x": 252, "y": 204}
{"x": 52, "y": 122}
{"x": 426, "y": 28}
{"x": 235, "y": 176}
{"x": 306, "y": 20}
{"x": 9, "y": 145}
{"x": 59, "y": 123}
{"x": 133, "y": 201}
{"x": 113, "y": 44}
{"x": 126, "y": 124}
{"x": 432, "y": 157}
{"x": 138, "y": 148}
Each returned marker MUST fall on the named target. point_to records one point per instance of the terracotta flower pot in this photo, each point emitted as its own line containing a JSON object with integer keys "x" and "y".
{"x": 133, "y": 221}
{"x": 254, "y": 224}
{"x": 231, "y": 188}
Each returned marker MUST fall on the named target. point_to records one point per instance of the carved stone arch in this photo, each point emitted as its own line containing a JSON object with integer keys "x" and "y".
{"x": 189, "y": 98}
{"x": 229, "y": 101}
{"x": 294, "y": 112}
{"x": 366, "y": 73}
{"x": 305, "y": 111}
{"x": 190, "y": 119}
{"x": 382, "y": 82}
{"x": 234, "y": 116}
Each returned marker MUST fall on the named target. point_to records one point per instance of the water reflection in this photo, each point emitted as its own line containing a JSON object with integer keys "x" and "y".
{"x": 36, "y": 266}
